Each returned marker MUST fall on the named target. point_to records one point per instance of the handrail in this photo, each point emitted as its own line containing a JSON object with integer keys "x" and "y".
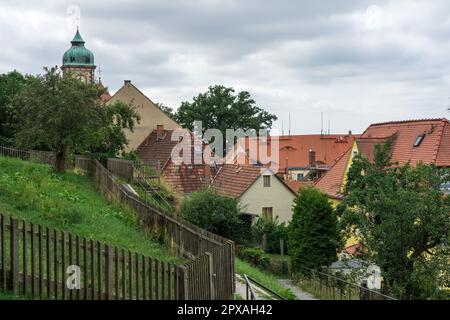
{"x": 249, "y": 289}
{"x": 340, "y": 280}
{"x": 141, "y": 175}
{"x": 259, "y": 284}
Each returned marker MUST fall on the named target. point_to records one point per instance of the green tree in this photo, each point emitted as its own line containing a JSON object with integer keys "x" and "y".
{"x": 213, "y": 212}
{"x": 10, "y": 84}
{"x": 403, "y": 218}
{"x": 220, "y": 108}
{"x": 65, "y": 115}
{"x": 314, "y": 237}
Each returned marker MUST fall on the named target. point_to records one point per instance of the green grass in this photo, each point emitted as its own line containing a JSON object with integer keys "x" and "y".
{"x": 163, "y": 204}
{"x": 71, "y": 202}
{"x": 10, "y": 296}
{"x": 270, "y": 281}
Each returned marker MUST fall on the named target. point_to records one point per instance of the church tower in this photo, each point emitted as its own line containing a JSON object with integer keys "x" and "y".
{"x": 79, "y": 60}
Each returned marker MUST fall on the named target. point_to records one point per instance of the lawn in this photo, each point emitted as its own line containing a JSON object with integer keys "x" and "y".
{"x": 10, "y": 296}
{"x": 71, "y": 202}
{"x": 266, "y": 279}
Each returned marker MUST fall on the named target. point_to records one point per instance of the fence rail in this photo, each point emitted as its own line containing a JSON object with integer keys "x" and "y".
{"x": 210, "y": 272}
{"x": 335, "y": 288}
{"x": 44, "y": 263}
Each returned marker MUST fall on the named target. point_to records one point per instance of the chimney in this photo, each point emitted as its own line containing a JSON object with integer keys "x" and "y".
{"x": 125, "y": 82}
{"x": 159, "y": 129}
{"x": 350, "y": 133}
{"x": 312, "y": 157}
{"x": 286, "y": 171}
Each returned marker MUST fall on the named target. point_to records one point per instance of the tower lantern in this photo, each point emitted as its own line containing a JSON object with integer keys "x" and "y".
{"x": 79, "y": 60}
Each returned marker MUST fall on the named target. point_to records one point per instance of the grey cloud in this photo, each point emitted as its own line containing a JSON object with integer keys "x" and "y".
{"x": 302, "y": 57}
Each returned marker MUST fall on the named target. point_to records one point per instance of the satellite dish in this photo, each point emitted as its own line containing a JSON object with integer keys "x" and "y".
{"x": 374, "y": 277}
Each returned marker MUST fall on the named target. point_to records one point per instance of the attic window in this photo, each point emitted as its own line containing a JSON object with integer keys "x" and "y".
{"x": 419, "y": 140}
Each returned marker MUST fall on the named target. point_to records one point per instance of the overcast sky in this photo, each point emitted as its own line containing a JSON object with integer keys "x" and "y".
{"x": 358, "y": 62}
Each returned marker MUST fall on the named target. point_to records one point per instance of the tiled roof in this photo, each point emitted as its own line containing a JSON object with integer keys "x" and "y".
{"x": 294, "y": 150}
{"x": 187, "y": 179}
{"x": 233, "y": 180}
{"x": 157, "y": 149}
{"x": 434, "y": 148}
{"x": 297, "y": 185}
{"x": 331, "y": 182}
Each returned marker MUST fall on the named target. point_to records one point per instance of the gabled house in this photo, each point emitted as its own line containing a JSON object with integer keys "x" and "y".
{"x": 150, "y": 114}
{"x": 300, "y": 157}
{"x": 413, "y": 141}
{"x": 260, "y": 192}
{"x": 159, "y": 150}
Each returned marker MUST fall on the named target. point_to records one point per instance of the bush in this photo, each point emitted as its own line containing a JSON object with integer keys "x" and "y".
{"x": 313, "y": 232}
{"x": 213, "y": 212}
{"x": 258, "y": 258}
{"x": 274, "y": 232}
{"x": 254, "y": 256}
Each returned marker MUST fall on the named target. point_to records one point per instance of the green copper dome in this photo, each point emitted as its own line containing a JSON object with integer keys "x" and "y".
{"x": 78, "y": 55}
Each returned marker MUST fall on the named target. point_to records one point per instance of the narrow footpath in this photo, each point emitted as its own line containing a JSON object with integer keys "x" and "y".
{"x": 299, "y": 294}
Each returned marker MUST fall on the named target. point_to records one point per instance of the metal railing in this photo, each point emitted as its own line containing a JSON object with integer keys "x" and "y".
{"x": 331, "y": 287}
{"x": 250, "y": 292}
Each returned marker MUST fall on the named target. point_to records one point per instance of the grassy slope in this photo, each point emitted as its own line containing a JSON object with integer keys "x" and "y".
{"x": 266, "y": 279}
{"x": 72, "y": 203}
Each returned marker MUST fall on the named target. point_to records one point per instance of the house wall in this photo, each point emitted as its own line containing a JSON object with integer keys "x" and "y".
{"x": 293, "y": 173}
{"x": 151, "y": 115}
{"x": 277, "y": 196}
{"x": 349, "y": 164}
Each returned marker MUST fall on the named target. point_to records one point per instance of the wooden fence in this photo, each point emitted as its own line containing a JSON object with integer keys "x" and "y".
{"x": 212, "y": 280}
{"x": 210, "y": 272}
{"x": 44, "y": 263}
{"x": 121, "y": 168}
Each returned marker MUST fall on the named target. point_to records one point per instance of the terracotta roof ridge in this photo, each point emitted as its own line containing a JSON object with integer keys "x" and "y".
{"x": 216, "y": 175}
{"x": 334, "y": 164}
{"x": 407, "y": 121}
{"x": 439, "y": 139}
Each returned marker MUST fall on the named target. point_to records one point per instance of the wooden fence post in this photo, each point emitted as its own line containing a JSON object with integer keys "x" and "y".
{"x": 109, "y": 295}
{"x": 185, "y": 284}
{"x": 211, "y": 275}
{"x": 14, "y": 253}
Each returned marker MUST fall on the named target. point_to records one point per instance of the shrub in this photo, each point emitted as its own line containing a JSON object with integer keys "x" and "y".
{"x": 254, "y": 256}
{"x": 274, "y": 232}
{"x": 213, "y": 212}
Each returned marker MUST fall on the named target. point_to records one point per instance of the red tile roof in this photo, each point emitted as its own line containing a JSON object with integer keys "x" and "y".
{"x": 294, "y": 150}
{"x": 297, "y": 185}
{"x": 434, "y": 148}
{"x": 233, "y": 180}
{"x": 157, "y": 149}
{"x": 331, "y": 182}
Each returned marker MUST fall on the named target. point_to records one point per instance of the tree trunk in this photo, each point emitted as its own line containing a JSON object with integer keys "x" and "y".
{"x": 61, "y": 159}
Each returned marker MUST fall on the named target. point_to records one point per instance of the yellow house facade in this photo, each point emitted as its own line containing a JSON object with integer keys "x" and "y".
{"x": 151, "y": 116}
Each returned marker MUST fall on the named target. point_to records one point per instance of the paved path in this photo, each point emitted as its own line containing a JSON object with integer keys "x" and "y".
{"x": 241, "y": 290}
{"x": 299, "y": 294}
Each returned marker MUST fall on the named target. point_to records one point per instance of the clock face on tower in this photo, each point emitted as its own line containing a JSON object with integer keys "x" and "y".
{"x": 82, "y": 78}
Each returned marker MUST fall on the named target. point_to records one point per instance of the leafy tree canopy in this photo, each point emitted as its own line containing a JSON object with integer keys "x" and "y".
{"x": 10, "y": 84}
{"x": 213, "y": 212}
{"x": 314, "y": 236}
{"x": 63, "y": 114}
{"x": 403, "y": 218}
{"x": 220, "y": 108}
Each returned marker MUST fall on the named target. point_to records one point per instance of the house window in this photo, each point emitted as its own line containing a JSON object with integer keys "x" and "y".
{"x": 419, "y": 140}
{"x": 300, "y": 176}
{"x": 267, "y": 213}
{"x": 266, "y": 181}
